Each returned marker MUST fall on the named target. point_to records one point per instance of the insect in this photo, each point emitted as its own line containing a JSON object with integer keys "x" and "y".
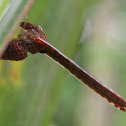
{"x": 32, "y": 39}
{"x": 18, "y": 48}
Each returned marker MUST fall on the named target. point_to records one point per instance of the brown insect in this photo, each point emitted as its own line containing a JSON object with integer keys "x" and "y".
{"x": 33, "y": 39}
{"x": 18, "y": 48}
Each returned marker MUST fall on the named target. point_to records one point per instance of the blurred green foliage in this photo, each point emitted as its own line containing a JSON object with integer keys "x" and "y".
{"x": 38, "y": 92}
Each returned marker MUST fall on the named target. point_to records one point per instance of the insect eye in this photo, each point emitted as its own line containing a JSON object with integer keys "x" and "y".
{"x": 26, "y": 25}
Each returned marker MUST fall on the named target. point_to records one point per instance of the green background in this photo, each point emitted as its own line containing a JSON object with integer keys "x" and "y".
{"x": 39, "y": 92}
